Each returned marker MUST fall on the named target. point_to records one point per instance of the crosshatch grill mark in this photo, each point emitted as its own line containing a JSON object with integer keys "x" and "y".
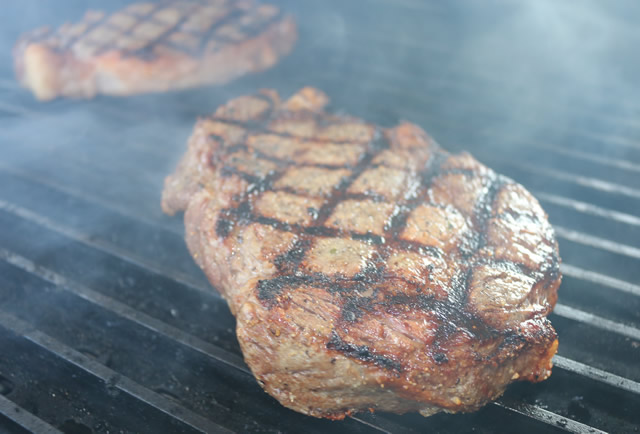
{"x": 289, "y": 264}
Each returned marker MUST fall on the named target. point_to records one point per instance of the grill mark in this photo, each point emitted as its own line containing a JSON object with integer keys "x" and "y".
{"x": 208, "y": 34}
{"x": 481, "y": 215}
{"x": 451, "y": 318}
{"x": 399, "y": 221}
{"x": 300, "y": 248}
{"x": 305, "y": 116}
{"x": 147, "y": 50}
{"x": 88, "y": 30}
{"x": 459, "y": 285}
{"x": 372, "y": 239}
{"x": 270, "y": 289}
{"x": 139, "y": 20}
{"x": 450, "y": 314}
{"x": 251, "y": 31}
{"x": 483, "y": 209}
{"x": 362, "y": 353}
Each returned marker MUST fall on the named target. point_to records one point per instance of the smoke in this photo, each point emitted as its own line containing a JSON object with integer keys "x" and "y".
{"x": 550, "y": 56}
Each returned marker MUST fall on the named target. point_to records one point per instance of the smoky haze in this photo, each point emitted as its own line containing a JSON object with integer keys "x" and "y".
{"x": 480, "y": 76}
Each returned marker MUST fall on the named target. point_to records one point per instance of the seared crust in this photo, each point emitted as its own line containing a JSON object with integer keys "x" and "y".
{"x": 153, "y": 47}
{"x": 367, "y": 268}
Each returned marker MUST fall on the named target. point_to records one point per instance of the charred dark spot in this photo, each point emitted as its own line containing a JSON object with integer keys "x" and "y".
{"x": 268, "y": 290}
{"x": 349, "y": 315}
{"x": 399, "y": 220}
{"x": 243, "y": 211}
{"x": 362, "y": 353}
{"x": 275, "y": 223}
{"x": 313, "y": 212}
{"x": 321, "y": 231}
{"x": 292, "y": 258}
{"x": 379, "y": 143}
{"x": 469, "y": 244}
{"x": 433, "y": 168}
{"x": 459, "y": 287}
{"x": 238, "y": 147}
{"x": 218, "y": 138}
{"x": 354, "y": 307}
{"x": 369, "y": 275}
{"x": 484, "y": 207}
{"x": 440, "y": 358}
{"x": 224, "y": 226}
{"x": 368, "y": 237}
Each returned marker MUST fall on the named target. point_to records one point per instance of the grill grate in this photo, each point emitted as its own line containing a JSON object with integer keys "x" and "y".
{"x": 106, "y": 324}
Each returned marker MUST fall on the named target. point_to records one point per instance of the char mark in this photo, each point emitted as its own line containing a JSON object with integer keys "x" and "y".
{"x": 270, "y": 289}
{"x": 362, "y": 353}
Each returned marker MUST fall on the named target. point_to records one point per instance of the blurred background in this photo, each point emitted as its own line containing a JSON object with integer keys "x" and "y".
{"x": 105, "y": 322}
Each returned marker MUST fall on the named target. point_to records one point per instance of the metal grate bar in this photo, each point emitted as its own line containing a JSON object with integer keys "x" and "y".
{"x": 599, "y": 159}
{"x": 588, "y": 208}
{"x": 92, "y": 199}
{"x": 548, "y": 416}
{"x": 597, "y": 242}
{"x": 109, "y": 376}
{"x": 601, "y": 279}
{"x": 25, "y": 419}
{"x": 125, "y": 311}
{"x": 597, "y": 184}
{"x": 596, "y": 321}
{"x": 597, "y": 374}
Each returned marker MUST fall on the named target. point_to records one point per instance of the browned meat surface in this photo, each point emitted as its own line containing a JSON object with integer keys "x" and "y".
{"x": 153, "y": 47}
{"x": 367, "y": 267}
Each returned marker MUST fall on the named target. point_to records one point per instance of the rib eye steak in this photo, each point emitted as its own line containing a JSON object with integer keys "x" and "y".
{"x": 368, "y": 268}
{"x": 153, "y": 47}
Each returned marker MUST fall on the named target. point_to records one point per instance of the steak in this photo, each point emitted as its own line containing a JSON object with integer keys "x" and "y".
{"x": 153, "y": 47}
{"x": 367, "y": 268}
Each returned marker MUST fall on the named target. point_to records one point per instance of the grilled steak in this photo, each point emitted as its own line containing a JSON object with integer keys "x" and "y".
{"x": 367, "y": 267}
{"x": 153, "y": 47}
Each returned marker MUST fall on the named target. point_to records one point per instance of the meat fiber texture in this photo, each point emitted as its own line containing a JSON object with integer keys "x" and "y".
{"x": 153, "y": 47}
{"x": 368, "y": 269}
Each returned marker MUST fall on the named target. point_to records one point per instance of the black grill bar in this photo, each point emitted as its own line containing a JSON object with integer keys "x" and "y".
{"x": 600, "y": 243}
{"x": 597, "y": 374}
{"x": 113, "y": 379}
{"x": 601, "y": 279}
{"x": 587, "y": 208}
{"x": 586, "y": 181}
{"x": 544, "y": 415}
{"x": 24, "y": 419}
{"x": 596, "y": 321}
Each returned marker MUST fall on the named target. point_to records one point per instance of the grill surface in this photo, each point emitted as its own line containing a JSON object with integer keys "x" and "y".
{"x": 106, "y": 325}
